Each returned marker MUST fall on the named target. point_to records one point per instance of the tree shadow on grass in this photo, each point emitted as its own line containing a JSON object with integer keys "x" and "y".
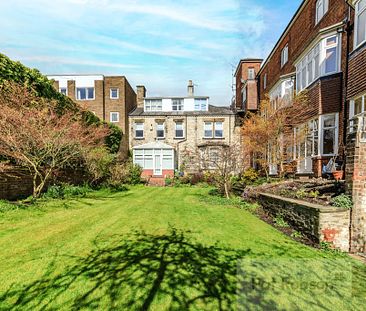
{"x": 161, "y": 272}
{"x": 136, "y": 272}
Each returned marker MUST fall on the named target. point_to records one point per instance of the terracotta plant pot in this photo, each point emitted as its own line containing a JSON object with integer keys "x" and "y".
{"x": 338, "y": 175}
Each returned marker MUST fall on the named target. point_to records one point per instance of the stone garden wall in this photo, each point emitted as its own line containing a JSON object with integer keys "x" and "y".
{"x": 318, "y": 223}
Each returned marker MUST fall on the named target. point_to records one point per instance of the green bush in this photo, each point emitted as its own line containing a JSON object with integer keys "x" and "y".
{"x": 280, "y": 222}
{"x": 64, "y": 191}
{"x": 250, "y": 176}
{"x": 124, "y": 174}
{"x": 342, "y": 201}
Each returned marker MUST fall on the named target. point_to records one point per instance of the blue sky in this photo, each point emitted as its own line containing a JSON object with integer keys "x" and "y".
{"x": 161, "y": 44}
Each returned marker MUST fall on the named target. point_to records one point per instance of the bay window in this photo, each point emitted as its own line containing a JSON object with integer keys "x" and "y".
{"x": 282, "y": 93}
{"x": 178, "y": 104}
{"x": 360, "y": 23}
{"x": 200, "y": 104}
{"x": 323, "y": 59}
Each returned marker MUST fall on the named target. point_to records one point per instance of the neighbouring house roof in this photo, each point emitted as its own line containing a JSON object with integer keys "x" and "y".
{"x": 212, "y": 110}
{"x": 155, "y": 145}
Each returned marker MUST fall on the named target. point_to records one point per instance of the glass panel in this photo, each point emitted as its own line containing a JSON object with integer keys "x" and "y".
{"x": 218, "y": 129}
{"x": 149, "y": 163}
{"x": 167, "y": 163}
{"x": 361, "y": 5}
{"x": 358, "y": 106}
{"x": 63, "y": 90}
{"x": 331, "y": 41}
{"x": 177, "y": 104}
{"x": 149, "y": 152}
{"x": 208, "y": 129}
{"x": 90, "y": 93}
{"x": 331, "y": 60}
{"x": 361, "y": 28}
{"x": 139, "y": 152}
{"x": 329, "y": 121}
{"x": 160, "y": 131}
{"x": 329, "y": 140}
{"x": 114, "y": 117}
{"x": 316, "y": 65}
{"x": 81, "y": 93}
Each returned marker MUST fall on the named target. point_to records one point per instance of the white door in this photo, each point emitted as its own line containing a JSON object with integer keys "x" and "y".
{"x": 158, "y": 165}
{"x": 305, "y": 160}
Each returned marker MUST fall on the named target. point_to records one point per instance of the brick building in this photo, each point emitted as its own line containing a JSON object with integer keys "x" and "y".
{"x": 310, "y": 57}
{"x": 246, "y": 95}
{"x": 163, "y": 130}
{"x": 111, "y": 98}
{"x": 356, "y": 133}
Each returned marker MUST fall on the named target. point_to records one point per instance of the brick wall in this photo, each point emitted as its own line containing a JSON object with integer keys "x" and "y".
{"x": 17, "y": 183}
{"x": 356, "y": 184}
{"x": 357, "y": 73}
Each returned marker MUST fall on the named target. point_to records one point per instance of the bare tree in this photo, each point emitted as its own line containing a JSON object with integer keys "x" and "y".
{"x": 34, "y": 136}
{"x": 225, "y": 162}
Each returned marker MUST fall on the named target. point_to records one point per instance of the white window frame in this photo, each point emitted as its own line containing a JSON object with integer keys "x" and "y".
{"x": 200, "y": 104}
{"x": 321, "y": 133}
{"x": 358, "y": 12}
{"x": 86, "y": 93}
{"x": 140, "y": 155}
{"x": 136, "y": 125}
{"x": 309, "y": 61}
{"x": 352, "y": 109}
{"x": 178, "y": 104}
{"x": 213, "y": 129}
{"x": 321, "y": 9}
{"x": 265, "y": 81}
{"x": 176, "y": 129}
{"x": 111, "y": 114}
{"x": 153, "y": 105}
{"x": 284, "y": 56}
{"x": 111, "y": 92}
{"x": 158, "y": 124}
{"x": 251, "y": 73}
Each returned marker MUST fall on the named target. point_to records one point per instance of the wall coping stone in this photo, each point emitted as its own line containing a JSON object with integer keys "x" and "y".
{"x": 318, "y": 207}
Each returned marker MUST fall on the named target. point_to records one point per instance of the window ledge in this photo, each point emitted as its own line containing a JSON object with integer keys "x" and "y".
{"x": 179, "y": 138}
{"x": 214, "y": 138}
{"x": 139, "y": 138}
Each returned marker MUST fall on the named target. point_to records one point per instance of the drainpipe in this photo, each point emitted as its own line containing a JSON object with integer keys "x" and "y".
{"x": 104, "y": 117}
{"x": 349, "y": 29}
{"x": 182, "y": 141}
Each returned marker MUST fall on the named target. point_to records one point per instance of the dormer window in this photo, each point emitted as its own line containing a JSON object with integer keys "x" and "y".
{"x": 153, "y": 105}
{"x": 321, "y": 9}
{"x": 178, "y": 104}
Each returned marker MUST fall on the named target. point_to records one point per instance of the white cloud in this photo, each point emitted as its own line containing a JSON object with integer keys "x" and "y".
{"x": 72, "y": 61}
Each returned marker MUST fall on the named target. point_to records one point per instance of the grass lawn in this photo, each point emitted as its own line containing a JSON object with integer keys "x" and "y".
{"x": 164, "y": 249}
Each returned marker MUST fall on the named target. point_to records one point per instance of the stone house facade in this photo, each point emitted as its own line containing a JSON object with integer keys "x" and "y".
{"x": 166, "y": 132}
{"x": 111, "y": 98}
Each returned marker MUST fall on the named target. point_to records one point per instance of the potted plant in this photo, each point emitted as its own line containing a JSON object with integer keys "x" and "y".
{"x": 338, "y": 170}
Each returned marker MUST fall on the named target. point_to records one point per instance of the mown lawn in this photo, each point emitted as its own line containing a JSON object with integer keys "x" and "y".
{"x": 164, "y": 249}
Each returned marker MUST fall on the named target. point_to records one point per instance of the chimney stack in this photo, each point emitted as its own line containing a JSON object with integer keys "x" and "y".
{"x": 140, "y": 96}
{"x": 190, "y": 88}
